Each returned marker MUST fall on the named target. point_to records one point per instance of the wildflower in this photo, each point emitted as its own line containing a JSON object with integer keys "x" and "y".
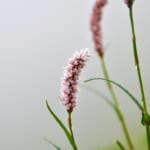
{"x": 129, "y": 2}
{"x": 95, "y": 19}
{"x": 70, "y": 79}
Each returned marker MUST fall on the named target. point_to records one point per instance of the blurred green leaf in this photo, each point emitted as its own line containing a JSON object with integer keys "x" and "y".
{"x": 120, "y": 145}
{"x": 98, "y": 93}
{"x": 140, "y": 144}
{"x": 54, "y": 145}
{"x": 122, "y": 88}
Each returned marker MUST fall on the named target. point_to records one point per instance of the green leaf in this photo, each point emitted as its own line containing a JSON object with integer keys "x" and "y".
{"x": 67, "y": 133}
{"x": 122, "y": 88}
{"x": 120, "y": 145}
{"x": 54, "y": 145}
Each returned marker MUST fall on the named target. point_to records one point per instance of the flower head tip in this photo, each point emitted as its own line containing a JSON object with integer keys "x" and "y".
{"x": 95, "y": 27}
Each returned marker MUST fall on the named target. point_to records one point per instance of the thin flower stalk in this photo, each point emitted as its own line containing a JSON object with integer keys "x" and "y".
{"x": 71, "y": 130}
{"x": 119, "y": 112}
{"x": 136, "y": 57}
{"x": 95, "y": 20}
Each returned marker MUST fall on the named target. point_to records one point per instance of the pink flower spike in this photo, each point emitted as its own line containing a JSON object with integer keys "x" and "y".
{"x": 70, "y": 79}
{"x": 126, "y": 1}
{"x": 95, "y": 19}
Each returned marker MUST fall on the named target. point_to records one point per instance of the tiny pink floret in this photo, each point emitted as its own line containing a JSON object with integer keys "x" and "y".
{"x": 95, "y": 27}
{"x": 70, "y": 79}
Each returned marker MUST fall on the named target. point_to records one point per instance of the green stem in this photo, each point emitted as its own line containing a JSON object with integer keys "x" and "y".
{"x": 139, "y": 71}
{"x": 109, "y": 85}
{"x": 137, "y": 59}
{"x": 71, "y": 131}
{"x": 118, "y": 111}
{"x": 120, "y": 145}
{"x": 125, "y": 130}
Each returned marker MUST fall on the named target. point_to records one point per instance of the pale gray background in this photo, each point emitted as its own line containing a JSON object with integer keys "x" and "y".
{"x": 36, "y": 39}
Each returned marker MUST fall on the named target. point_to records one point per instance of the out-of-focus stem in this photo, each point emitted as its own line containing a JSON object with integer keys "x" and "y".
{"x": 139, "y": 71}
{"x": 118, "y": 111}
{"x": 109, "y": 85}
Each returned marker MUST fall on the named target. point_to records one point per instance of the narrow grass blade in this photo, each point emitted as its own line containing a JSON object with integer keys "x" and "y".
{"x": 67, "y": 133}
{"x": 122, "y": 88}
{"x": 120, "y": 145}
{"x": 54, "y": 145}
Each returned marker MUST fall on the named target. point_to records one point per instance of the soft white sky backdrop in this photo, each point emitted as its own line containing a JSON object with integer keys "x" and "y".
{"x": 36, "y": 39}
